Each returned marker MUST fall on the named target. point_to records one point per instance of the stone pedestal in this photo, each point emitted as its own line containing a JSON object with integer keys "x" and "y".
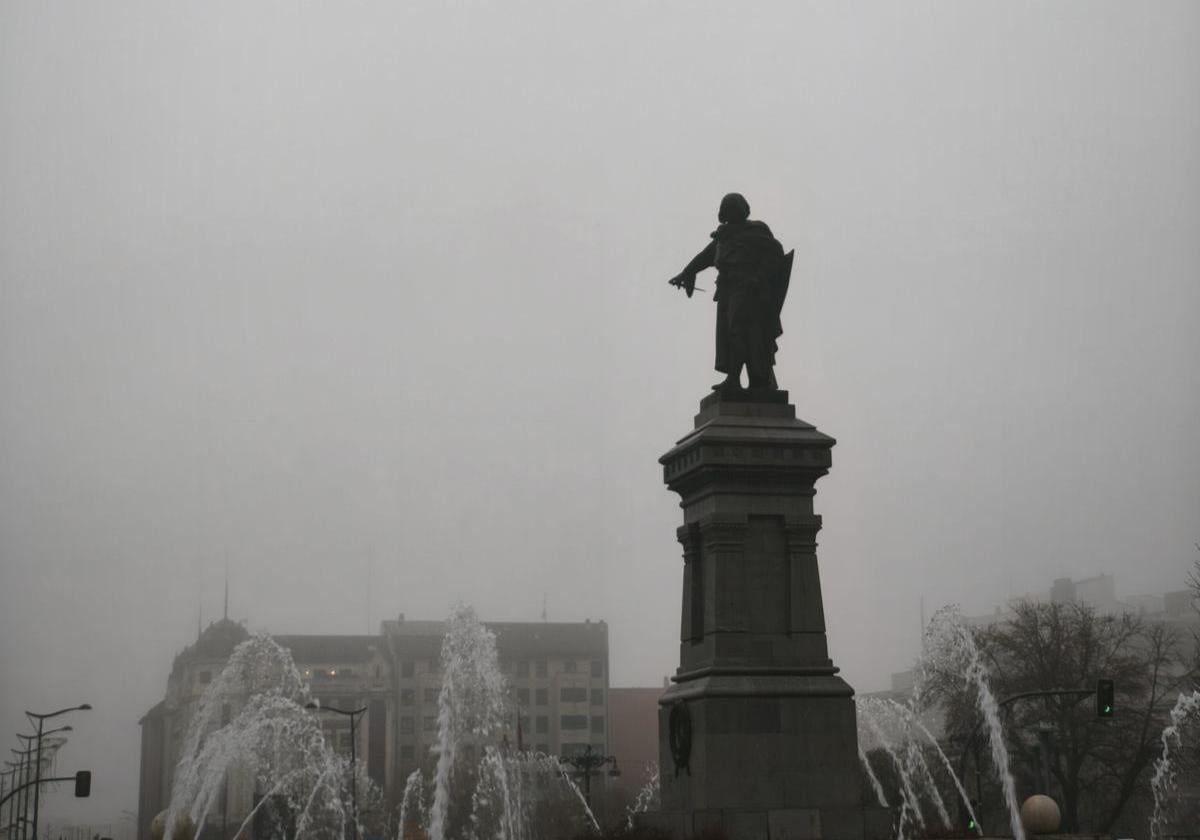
{"x": 757, "y": 735}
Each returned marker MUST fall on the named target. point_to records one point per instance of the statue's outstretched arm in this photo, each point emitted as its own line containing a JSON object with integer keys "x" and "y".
{"x": 686, "y": 279}
{"x": 705, "y": 259}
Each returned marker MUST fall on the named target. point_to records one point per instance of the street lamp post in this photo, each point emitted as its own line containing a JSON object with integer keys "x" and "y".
{"x": 24, "y": 771}
{"x": 353, "y": 714}
{"x": 41, "y": 722}
{"x": 588, "y": 762}
{"x": 11, "y": 776}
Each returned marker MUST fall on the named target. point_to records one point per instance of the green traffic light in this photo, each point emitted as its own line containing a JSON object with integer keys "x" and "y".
{"x": 971, "y": 824}
{"x": 1108, "y": 710}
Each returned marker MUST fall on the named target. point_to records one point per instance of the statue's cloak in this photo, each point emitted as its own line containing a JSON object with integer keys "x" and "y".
{"x": 752, "y": 282}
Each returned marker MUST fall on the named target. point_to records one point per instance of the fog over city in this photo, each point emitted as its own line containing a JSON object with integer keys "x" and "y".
{"x": 363, "y": 308}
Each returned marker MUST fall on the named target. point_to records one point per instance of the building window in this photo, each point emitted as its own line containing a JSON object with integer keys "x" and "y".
{"x": 569, "y": 666}
{"x": 541, "y": 667}
{"x": 344, "y": 742}
{"x": 378, "y": 672}
{"x": 543, "y": 724}
{"x": 543, "y": 748}
{"x": 569, "y": 750}
{"x": 523, "y": 696}
{"x": 406, "y": 725}
{"x": 406, "y": 668}
{"x": 573, "y": 723}
{"x": 205, "y": 677}
{"x": 597, "y": 668}
{"x": 523, "y": 722}
{"x": 597, "y": 696}
{"x": 572, "y": 695}
{"x": 429, "y": 723}
{"x": 407, "y": 696}
{"x": 523, "y": 668}
{"x": 430, "y": 695}
{"x": 541, "y": 697}
{"x": 406, "y": 752}
{"x": 597, "y": 724}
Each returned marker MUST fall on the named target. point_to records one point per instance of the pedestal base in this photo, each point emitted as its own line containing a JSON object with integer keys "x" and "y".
{"x": 870, "y": 823}
{"x": 762, "y": 756}
{"x": 758, "y": 735}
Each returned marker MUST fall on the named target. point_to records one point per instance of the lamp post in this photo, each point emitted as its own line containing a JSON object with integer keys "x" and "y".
{"x": 41, "y": 722}
{"x": 588, "y": 762}
{"x": 10, "y": 775}
{"x": 20, "y": 793}
{"x": 353, "y": 714}
{"x": 33, "y": 769}
{"x": 4, "y": 787}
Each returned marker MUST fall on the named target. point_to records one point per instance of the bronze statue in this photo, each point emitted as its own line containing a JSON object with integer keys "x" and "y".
{"x": 752, "y": 282}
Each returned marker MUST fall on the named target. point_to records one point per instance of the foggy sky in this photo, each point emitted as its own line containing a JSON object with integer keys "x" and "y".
{"x": 321, "y": 291}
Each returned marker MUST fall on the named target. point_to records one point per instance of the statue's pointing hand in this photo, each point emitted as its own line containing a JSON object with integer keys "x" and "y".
{"x": 684, "y": 281}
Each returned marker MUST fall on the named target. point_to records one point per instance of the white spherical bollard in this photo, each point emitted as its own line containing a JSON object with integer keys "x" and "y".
{"x": 1040, "y": 815}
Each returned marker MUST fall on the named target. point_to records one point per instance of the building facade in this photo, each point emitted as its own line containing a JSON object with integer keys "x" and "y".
{"x": 557, "y": 674}
{"x": 634, "y": 736}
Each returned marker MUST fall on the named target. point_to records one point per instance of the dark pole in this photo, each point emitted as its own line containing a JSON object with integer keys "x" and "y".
{"x": 6, "y": 814}
{"x": 3, "y": 779}
{"x": 353, "y": 778}
{"x": 12, "y": 785}
{"x": 588, "y": 762}
{"x": 11, "y": 814}
{"x": 41, "y": 719}
{"x": 37, "y": 779}
{"x": 353, "y": 715}
{"x": 23, "y": 799}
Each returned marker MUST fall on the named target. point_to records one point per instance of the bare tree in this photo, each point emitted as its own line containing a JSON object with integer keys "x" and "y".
{"x": 1097, "y": 765}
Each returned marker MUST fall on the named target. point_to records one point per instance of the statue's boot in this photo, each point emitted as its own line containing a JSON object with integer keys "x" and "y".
{"x": 731, "y": 384}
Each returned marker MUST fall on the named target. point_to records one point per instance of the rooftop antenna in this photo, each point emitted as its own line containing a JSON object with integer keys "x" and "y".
{"x": 199, "y": 618}
{"x": 370, "y": 558}
{"x": 543, "y": 606}
{"x": 226, "y": 588}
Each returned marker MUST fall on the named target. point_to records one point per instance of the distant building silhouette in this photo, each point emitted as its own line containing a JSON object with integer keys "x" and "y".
{"x": 558, "y": 672}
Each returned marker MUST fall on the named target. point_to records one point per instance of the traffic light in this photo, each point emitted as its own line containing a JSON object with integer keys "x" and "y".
{"x": 1105, "y": 704}
{"x": 83, "y": 783}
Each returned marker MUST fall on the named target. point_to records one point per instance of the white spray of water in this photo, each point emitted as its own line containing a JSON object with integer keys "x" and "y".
{"x": 958, "y": 785}
{"x": 647, "y": 798}
{"x": 473, "y": 707}
{"x": 879, "y": 795}
{"x": 906, "y": 722}
{"x": 498, "y": 806}
{"x": 915, "y": 758}
{"x": 412, "y": 804}
{"x": 1162, "y": 783}
{"x": 910, "y": 801}
{"x": 582, "y": 799}
{"x": 949, "y": 642}
{"x": 272, "y": 742}
{"x": 471, "y": 704}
